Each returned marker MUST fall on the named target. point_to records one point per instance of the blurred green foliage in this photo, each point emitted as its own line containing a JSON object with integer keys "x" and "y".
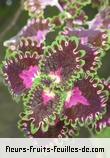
{"x": 9, "y": 109}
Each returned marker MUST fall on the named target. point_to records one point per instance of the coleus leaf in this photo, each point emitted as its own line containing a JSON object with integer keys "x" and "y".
{"x": 59, "y": 130}
{"x": 42, "y": 107}
{"x": 104, "y": 122}
{"x": 62, "y": 59}
{"x": 86, "y": 100}
{"x": 19, "y": 71}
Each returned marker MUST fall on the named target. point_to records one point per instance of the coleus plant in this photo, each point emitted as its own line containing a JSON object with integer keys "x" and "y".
{"x": 57, "y": 81}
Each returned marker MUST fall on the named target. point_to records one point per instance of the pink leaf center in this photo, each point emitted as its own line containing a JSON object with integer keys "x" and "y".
{"x": 56, "y": 75}
{"x": 47, "y": 96}
{"x": 75, "y": 98}
{"x": 29, "y": 75}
